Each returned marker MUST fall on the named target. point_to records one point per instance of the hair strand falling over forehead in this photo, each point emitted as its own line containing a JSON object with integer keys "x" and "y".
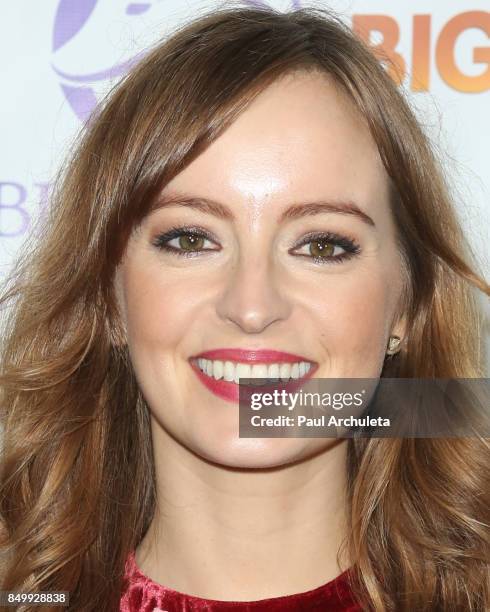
{"x": 77, "y": 475}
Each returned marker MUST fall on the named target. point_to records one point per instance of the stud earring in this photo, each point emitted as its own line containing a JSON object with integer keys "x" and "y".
{"x": 393, "y": 345}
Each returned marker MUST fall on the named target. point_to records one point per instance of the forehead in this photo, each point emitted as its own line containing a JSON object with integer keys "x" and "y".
{"x": 301, "y": 138}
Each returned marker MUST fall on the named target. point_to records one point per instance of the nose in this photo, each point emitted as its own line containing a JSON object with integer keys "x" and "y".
{"x": 251, "y": 298}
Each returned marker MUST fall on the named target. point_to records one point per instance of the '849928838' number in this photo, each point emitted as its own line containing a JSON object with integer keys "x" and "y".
{"x": 14, "y": 598}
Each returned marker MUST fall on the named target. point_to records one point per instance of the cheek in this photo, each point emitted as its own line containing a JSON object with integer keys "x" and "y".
{"x": 352, "y": 313}
{"x": 160, "y": 307}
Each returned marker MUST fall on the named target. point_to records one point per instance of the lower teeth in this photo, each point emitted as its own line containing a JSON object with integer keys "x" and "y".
{"x": 259, "y": 382}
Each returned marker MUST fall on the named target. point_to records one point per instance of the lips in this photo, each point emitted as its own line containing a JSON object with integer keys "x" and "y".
{"x": 220, "y": 370}
{"x": 251, "y": 356}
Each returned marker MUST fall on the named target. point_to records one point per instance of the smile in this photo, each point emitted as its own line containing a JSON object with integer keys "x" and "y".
{"x": 221, "y": 370}
{"x": 232, "y": 371}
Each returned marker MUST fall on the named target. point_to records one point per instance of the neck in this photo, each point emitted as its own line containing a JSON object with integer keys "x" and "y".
{"x": 244, "y": 534}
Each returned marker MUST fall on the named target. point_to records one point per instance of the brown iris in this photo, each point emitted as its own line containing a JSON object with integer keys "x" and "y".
{"x": 321, "y": 248}
{"x": 191, "y": 242}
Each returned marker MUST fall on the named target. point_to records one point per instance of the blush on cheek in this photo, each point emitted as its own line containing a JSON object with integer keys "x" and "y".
{"x": 155, "y": 308}
{"x": 370, "y": 324}
{"x": 354, "y": 326}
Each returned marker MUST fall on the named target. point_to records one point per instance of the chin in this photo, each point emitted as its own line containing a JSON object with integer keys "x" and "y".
{"x": 261, "y": 453}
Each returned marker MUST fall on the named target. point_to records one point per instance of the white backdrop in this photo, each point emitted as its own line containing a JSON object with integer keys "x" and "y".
{"x": 59, "y": 56}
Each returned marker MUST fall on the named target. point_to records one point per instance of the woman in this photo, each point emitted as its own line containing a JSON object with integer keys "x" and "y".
{"x": 256, "y": 192}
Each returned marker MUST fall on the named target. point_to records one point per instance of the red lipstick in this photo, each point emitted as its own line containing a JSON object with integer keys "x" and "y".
{"x": 251, "y": 356}
{"x": 230, "y": 391}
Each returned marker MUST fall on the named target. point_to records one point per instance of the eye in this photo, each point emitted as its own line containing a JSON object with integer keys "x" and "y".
{"x": 184, "y": 241}
{"x": 327, "y": 248}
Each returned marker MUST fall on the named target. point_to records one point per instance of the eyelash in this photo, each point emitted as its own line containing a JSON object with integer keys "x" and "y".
{"x": 350, "y": 246}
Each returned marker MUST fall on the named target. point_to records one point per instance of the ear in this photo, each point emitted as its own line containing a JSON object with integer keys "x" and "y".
{"x": 398, "y": 331}
{"x": 400, "y": 327}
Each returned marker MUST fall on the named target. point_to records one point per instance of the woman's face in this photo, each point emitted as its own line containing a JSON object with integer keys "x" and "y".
{"x": 296, "y": 254}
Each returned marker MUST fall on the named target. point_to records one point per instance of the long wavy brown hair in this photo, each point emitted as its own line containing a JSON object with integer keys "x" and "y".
{"x": 77, "y": 477}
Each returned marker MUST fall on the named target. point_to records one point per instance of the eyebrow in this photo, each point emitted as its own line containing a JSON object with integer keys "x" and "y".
{"x": 294, "y": 211}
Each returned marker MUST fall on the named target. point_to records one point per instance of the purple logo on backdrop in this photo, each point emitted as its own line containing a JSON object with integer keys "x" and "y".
{"x": 70, "y": 19}
{"x": 294, "y": 3}
{"x": 78, "y": 87}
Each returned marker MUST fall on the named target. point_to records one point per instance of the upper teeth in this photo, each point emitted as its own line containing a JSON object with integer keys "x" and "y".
{"x": 232, "y": 371}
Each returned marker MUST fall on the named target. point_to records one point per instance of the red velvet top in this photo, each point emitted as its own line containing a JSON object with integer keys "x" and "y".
{"x": 141, "y": 594}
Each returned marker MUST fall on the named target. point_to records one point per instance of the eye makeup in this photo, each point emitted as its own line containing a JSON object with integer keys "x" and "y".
{"x": 196, "y": 236}
{"x": 349, "y": 245}
{"x": 162, "y": 240}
